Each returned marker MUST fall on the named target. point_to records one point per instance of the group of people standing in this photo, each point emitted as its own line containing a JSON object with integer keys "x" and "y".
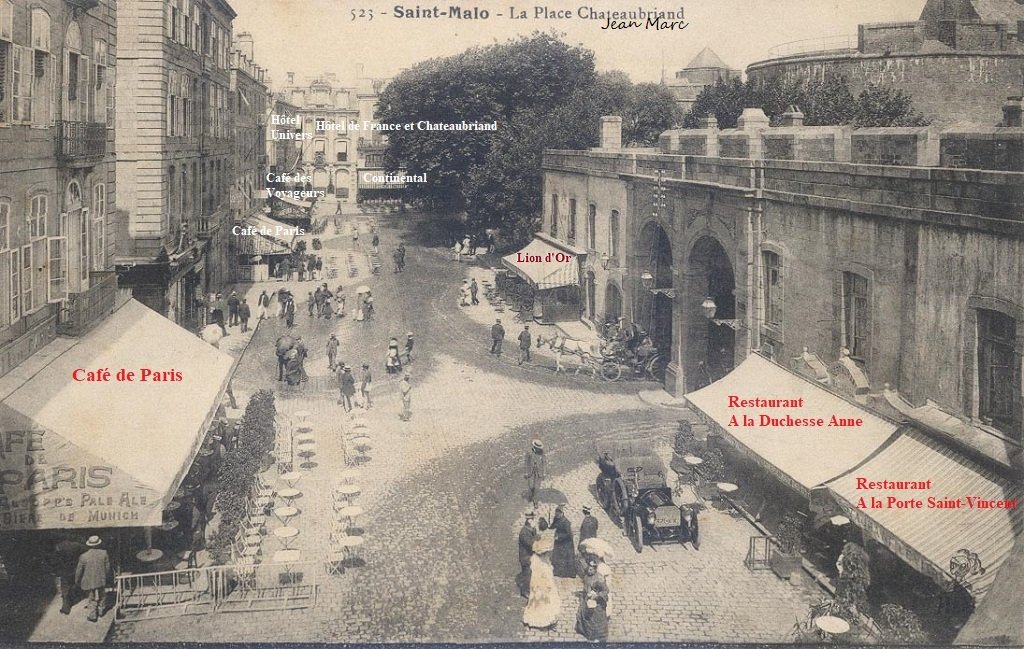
{"x": 238, "y": 312}
{"x": 306, "y": 266}
{"x": 319, "y": 302}
{"x": 398, "y": 257}
{"x": 525, "y": 339}
{"x": 468, "y": 293}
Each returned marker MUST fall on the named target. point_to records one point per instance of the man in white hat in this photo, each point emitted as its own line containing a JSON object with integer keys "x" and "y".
{"x": 527, "y": 535}
{"x": 93, "y": 575}
{"x": 535, "y": 465}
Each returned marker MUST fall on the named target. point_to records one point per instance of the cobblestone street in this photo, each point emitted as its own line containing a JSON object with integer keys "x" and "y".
{"x": 443, "y": 493}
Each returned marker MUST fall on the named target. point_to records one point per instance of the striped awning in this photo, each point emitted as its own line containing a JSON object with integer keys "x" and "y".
{"x": 803, "y": 457}
{"x": 928, "y": 538}
{"x": 258, "y": 244}
{"x": 269, "y": 228}
{"x": 544, "y": 265}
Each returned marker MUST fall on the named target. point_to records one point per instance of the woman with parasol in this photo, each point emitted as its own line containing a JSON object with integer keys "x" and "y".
{"x": 544, "y": 603}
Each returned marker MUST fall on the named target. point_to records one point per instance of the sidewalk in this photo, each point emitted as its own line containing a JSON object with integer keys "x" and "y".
{"x": 74, "y": 627}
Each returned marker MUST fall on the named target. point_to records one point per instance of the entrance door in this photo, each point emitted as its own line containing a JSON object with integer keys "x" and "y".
{"x": 591, "y": 295}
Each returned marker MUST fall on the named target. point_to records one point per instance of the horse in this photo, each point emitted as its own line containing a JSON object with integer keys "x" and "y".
{"x": 589, "y": 352}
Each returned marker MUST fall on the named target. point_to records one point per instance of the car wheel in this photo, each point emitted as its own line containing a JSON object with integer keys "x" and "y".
{"x": 638, "y": 538}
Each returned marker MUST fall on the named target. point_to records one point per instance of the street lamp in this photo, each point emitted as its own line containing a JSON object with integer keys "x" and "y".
{"x": 647, "y": 280}
{"x": 709, "y": 307}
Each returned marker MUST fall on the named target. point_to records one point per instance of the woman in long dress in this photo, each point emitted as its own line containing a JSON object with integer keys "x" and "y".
{"x": 544, "y": 604}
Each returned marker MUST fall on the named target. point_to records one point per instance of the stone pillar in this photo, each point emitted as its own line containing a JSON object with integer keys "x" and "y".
{"x": 611, "y": 132}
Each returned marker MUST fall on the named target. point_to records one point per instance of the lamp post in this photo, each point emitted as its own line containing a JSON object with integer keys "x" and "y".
{"x": 709, "y": 308}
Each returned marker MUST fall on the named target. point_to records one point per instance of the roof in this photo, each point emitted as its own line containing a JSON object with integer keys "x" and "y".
{"x": 927, "y": 538}
{"x": 111, "y": 452}
{"x": 1001, "y": 11}
{"x": 706, "y": 58}
{"x": 802, "y": 456}
{"x": 544, "y": 265}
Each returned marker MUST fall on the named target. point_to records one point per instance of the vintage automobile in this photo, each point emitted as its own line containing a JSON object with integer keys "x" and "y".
{"x": 633, "y": 489}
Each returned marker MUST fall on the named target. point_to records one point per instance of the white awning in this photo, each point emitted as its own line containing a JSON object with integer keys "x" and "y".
{"x": 544, "y": 265}
{"x": 271, "y": 228}
{"x": 107, "y": 453}
{"x": 927, "y": 538}
{"x": 802, "y": 456}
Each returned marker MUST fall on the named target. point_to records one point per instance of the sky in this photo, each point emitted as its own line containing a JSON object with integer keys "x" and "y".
{"x": 310, "y": 37}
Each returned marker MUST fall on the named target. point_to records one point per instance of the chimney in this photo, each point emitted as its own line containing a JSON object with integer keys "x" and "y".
{"x": 752, "y": 119}
{"x": 611, "y": 132}
{"x": 291, "y": 78}
{"x": 708, "y": 121}
{"x": 792, "y": 117}
{"x": 1012, "y": 109}
{"x": 244, "y": 44}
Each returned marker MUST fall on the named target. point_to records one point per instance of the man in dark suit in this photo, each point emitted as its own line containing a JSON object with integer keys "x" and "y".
{"x": 65, "y": 560}
{"x": 527, "y": 535}
{"x": 524, "y": 344}
{"x": 497, "y": 336}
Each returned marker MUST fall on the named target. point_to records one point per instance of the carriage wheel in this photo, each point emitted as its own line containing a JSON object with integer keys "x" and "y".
{"x": 611, "y": 371}
{"x": 620, "y": 499}
{"x": 638, "y": 538}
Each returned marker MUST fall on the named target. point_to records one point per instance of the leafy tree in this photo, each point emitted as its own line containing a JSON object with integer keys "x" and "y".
{"x": 881, "y": 106}
{"x": 725, "y": 100}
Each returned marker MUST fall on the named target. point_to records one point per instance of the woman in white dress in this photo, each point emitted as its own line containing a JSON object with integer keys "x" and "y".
{"x": 544, "y": 604}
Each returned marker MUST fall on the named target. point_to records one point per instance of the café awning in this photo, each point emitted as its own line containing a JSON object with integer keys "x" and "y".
{"x": 999, "y": 618}
{"x": 110, "y": 452}
{"x": 545, "y": 264}
{"x": 264, "y": 226}
{"x": 929, "y": 537}
{"x": 801, "y": 456}
{"x": 258, "y": 244}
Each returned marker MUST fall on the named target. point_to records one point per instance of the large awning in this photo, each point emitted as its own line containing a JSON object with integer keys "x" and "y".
{"x": 265, "y": 226}
{"x": 803, "y": 457}
{"x": 109, "y": 452}
{"x": 929, "y": 537}
{"x": 545, "y": 265}
{"x": 999, "y": 618}
{"x": 258, "y": 244}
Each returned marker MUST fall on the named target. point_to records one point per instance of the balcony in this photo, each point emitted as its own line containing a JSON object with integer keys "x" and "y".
{"x": 206, "y": 225}
{"x": 320, "y": 158}
{"x": 81, "y": 143}
{"x": 84, "y": 310}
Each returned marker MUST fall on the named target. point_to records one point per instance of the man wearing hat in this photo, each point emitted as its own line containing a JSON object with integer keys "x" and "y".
{"x": 65, "y": 563}
{"x": 365, "y": 378}
{"x": 408, "y": 347}
{"x": 524, "y": 344}
{"x": 497, "y": 337}
{"x": 93, "y": 575}
{"x": 588, "y": 527}
{"x": 332, "y": 352}
{"x": 346, "y": 387}
{"x": 405, "y": 389}
{"x": 527, "y": 535}
{"x": 535, "y": 465}
{"x": 233, "y": 303}
{"x": 563, "y": 557}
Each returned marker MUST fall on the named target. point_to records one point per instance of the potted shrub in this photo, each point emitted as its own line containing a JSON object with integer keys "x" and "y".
{"x": 785, "y": 559}
{"x": 854, "y": 577}
{"x": 683, "y": 445}
{"x": 900, "y": 626}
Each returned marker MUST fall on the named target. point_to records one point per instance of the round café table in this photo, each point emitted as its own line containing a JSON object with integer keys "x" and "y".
{"x": 149, "y": 555}
{"x": 727, "y": 487}
{"x": 839, "y": 521}
{"x": 359, "y": 422}
{"x": 290, "y": 478}
{"x": 693, "y": 460}
{"x": 361, "y": 444}
{"x": 346, "y": 493}
{"x": 350, "y": 513}
{"x": 289, "y": 494}
{"x": 305, "y": 438}
{"x": 168, "y": 526}
{"x": 287, "y": 535}
{"x": 831, "y": 625}
{"x": 350, "y": 545}
{"x": 285, "y": 513}
{"x": 302, "y": 415}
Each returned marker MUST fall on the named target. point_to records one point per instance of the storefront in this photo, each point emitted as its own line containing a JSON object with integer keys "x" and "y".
{"x": 261, "y": 244}
{"x": 100, "y": 431}
{"x": 551, "y": 269}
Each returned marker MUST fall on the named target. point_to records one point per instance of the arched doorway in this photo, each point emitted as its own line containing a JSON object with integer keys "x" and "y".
{"x": 320, "y": 179}
{"x": 612, "y": 303}
{"x": 591, "y": 280}
{"x": 653, "y": 311}
{"x": 710, "y": 347}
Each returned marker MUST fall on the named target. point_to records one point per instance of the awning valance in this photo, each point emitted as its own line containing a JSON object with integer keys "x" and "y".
{"x": 258, "y": 244}
{"x": 803, "y": 457}
{"x": 108, "y": 452}
{"x": 265, "y": 226}
{"x": 929, "y": 537}
{"x": 544, "y": 265}
{"x": 295, "y": 202}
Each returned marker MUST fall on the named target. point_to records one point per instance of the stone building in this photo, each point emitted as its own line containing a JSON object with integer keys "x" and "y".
{"x": 958, "y": 61}
{"x": 706, "y": 69}
{"x": 174, "y": 153}
{"x": 57, "y": 183}
{"x": 249, "y": 109}
{"x": 336, "y": 155}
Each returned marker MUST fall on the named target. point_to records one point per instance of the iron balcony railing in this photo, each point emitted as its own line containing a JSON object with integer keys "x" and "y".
{"x": 84, "y": 310}
{"x": 81, "y": 140}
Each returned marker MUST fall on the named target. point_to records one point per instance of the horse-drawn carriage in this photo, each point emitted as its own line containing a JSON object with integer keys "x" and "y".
{"x": 612, "y": 359}
{"x": 633, "y": 488}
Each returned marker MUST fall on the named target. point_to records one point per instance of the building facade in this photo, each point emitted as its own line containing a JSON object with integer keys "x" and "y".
{"x": 706, "y": 69}
{"x": 175, "y": 149}
{"x": 57, "y": 181}
{"x": 957, "y": 61}
{"x": 249, "y": 109}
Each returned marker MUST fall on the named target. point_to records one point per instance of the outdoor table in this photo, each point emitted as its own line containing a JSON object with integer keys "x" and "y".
{"x": 289, "y": 494}
{"x": 359, "y": 422}
{"x": 290, "y": 478}
{"x": 289, "y": 558}
{"x": 839, "y": 521}
{"x": 307, "y": 452}
{"x": 149, "y": 555}
{"x": 693, "y": 460}
{"x": 727, "y": 487}
{"x": 302, "y": 415}
{"x": 347, "y": 492}
{"x": 349, "y": 545}
{"x": 305, "y": 438}
{"x": 350, "y": 513}
{"x": 361, "y": 444}
{"x": 287, "y": 536}
{"x": 831, "y": 625}
{"x": 286, "y": 513}
{"x": 169, "y": 526}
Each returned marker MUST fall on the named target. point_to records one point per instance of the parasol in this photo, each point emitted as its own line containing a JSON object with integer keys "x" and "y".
{"x": 363, "y": 288}
{"x": 599, "y": 548}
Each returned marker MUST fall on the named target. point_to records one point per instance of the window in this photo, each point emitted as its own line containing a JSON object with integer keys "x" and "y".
{"x": 15, "y": 285}
{"x": 40, "y": 30}
{"x": 99, "y": 239}
{"x": 22, "y": 73}
{"x": 319, "y": 124}
{"x": 856, "y": 319}
{"x": 83, "y": 261}
{"x": 6, "y": 20}
{"x": 99, "y": 95}
{"x": 58, "y": 279}
{"x": 5, "y": 225}
{"x": 592, "y": 228}
{"x": 5, "y": 77}
{"x": 613, "y": 234}
{"x": 341, "y": 150}
{"x": 998, "y": 370}
{"x": 554, "y": 215}
{"x": 26, "y": 279}
{"x": 37, "y": 216}
{"x": 772, "y": 288}
{"x": 572, "y": 220}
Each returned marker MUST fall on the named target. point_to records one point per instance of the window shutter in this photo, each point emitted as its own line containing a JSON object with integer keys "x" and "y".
{"x": 58, "y": 284}
{"x": 83, "y": 88}
{"x": 28, "y": 76}
{"x": 84, "y": 251}
{"x": 53, "y": 90}
{"x": 16, "y": 83}
{"x": 5, "y": 284}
